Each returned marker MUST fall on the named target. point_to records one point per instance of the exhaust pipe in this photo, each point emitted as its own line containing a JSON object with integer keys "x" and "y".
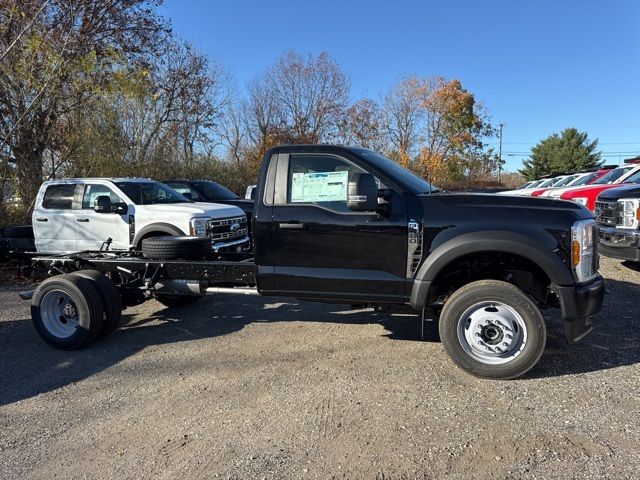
{"x": 181, "y": 287}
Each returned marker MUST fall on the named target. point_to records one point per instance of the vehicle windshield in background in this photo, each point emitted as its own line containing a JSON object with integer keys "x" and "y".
{"x": 214, "y": 191}
{"x": 612, "y": 176}
{"x": 151, "y": 193}
{"x": 635, "y": 178}
{"x": 394, "y": 170}
{"x": 585, "y": 180}
{"x": 566, "y": 180}
{"x": 546, "y": 183}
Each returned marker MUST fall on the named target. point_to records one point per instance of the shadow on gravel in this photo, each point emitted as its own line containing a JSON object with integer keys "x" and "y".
{"x": 614, "y": 342}
{"x": 29, "y": 367}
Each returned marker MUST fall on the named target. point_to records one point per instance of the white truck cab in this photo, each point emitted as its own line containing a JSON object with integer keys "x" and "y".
{"x": 74, "y": 215}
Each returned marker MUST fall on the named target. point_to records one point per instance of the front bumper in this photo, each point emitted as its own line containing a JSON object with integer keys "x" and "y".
{"x": 232, "y": 245}
{"x": 619, "y": 243}
{"x": 577, "y": 303}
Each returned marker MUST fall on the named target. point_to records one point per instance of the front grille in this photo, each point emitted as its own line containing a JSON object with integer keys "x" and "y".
{"x": 227, "y": 228}
{"x": 608, "y": 213}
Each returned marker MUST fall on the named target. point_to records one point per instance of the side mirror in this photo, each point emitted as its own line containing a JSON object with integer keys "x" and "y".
{"x": 188, "y": 196}
{"x": 120, "y": 208}
{"x": 362, "y": 193}
{"x": 103, "y": 204}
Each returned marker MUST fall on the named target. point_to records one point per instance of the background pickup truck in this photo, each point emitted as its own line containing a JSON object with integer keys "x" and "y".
{"x": 618, "y": 215}
{"x": 339, "y": 224}
{"x": 81, "y": 214}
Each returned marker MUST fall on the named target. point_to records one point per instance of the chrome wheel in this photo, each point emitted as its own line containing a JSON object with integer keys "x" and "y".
{"x": 59, "y": 314}
{"x": 492, "y": 333}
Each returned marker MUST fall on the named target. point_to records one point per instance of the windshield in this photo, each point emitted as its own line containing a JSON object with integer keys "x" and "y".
{"x": 150, "y": 193}
{"x": 214, "y": 191}
{"x": 565, "y": 181}
{"x": 546, "y": 183}
{"x": 525, "y": 185}
{"x": 583, "y": 180}
{"x": 612, "y": 176}
{"x": 394, "y": 170}
{"x": 635, "y": 178}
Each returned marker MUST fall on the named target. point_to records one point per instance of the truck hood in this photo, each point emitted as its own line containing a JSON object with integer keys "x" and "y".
{"x": 624, "y": 191}
{"x": 489, "y": 201}
{"x": 197, "y": 209}
{"x": 588, "y": 192}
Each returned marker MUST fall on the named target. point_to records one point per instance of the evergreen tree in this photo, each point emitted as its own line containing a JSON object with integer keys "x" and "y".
{"x": 570, "y": 151}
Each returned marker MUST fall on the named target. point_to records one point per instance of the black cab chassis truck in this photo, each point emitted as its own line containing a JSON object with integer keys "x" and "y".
{"x": 347, "y": 225}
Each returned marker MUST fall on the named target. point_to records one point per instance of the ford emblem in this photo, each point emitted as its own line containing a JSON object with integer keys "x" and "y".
{"x": 235, "y": 227}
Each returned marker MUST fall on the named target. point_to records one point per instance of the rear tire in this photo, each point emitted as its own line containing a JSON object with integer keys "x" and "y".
{"x": 172, "y": 248}
{"x": 67, "y": 311}
{"x": 110, "y": 297}
{"x": 176, "y": 301}
{"x": 491, "y": 329}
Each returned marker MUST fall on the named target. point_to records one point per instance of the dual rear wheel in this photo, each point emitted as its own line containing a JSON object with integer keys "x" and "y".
{"x": 72, "y": 310}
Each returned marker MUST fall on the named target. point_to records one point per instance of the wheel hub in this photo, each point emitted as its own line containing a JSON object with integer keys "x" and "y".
{"x": 492, "y": 332}
{"x": 69, "y": 310}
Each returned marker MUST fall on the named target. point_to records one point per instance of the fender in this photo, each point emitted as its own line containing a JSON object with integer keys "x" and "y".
{"x": 157, "y": 227}
{"x": 487, "y": 241}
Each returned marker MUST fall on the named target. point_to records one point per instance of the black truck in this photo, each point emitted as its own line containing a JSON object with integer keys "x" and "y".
{"x": 341, "y": 224}
{"x": 618, "y": 215}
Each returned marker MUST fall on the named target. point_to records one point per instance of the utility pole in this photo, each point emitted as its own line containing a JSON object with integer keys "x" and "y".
{"x": 500, "y": 153}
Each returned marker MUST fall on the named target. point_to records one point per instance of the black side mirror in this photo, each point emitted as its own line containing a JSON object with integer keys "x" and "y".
{"x": 103, "y": 204}
{"x": 362, "y": 193}
{"x": 120, "y": 208}
{"x": 188, "y": 196}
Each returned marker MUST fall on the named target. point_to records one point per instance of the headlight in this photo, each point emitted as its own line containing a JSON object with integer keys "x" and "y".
{"x": 583, "y": 255}
{"x": 581, "y": 200}
{"x": 630, "y": 209}
{"x": 198, "y": 226}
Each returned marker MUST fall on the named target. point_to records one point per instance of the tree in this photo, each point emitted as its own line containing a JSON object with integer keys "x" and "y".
{"x": 403, "y": 114}
{"x": 296, "y": 100}
{"x": 363, "y": 126}
{"x": 57, "y": 55}
{"x": 568, "y": 151}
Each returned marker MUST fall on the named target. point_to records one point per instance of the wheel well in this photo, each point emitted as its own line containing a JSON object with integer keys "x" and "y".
{"x": 508, "y": 267}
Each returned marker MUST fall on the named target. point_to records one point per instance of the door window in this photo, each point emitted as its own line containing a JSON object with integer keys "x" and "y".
{"x": 59, "y": 197}
{"x": 320, "y": 180}
{"x": 93, "y": 191}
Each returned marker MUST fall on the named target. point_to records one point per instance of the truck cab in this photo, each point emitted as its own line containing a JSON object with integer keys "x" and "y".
{"x": 73, "y": 215}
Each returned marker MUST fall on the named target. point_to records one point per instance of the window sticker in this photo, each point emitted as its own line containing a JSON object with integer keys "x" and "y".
{"x": 319, "y": 187}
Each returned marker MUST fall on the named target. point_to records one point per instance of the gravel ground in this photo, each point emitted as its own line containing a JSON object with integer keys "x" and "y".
{"x": 250, "y": 387}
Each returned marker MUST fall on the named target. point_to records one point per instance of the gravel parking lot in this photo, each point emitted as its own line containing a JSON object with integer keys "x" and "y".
{"x": 250, "y": 387}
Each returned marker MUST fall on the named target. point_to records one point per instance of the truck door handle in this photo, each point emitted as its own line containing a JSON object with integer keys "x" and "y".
{"x": 42, "y": 219}
{"x": 292, "y": 226}
{"x": 82, "y": 219}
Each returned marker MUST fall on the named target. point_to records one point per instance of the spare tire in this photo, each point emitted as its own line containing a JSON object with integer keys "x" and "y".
{"x": 172, "y": 248}
{"x": 19, "y": 231}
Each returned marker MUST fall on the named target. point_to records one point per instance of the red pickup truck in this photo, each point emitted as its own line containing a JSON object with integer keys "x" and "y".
{"x": 586, "y": 196}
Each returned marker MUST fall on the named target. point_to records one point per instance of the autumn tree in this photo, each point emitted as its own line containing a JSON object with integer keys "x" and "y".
{"x": 363, "y": 125}
{"x": 569, "y": 151}
{"x": 55, "y": 56}
{"x": 403, "y": 114}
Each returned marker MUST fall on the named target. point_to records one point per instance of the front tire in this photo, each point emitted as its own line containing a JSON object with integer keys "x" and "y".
{"x": 491, "y": 329}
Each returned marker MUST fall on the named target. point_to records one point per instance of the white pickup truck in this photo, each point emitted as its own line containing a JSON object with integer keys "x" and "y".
{"x": 73, "y": 215}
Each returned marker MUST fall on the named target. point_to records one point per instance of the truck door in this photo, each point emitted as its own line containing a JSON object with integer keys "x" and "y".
{"x": 54, "y": 219}
{"x": 323, "y": 250}
{"x": 93, "y": 228}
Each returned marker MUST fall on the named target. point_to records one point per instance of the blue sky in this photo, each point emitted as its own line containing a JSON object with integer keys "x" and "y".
{"x": 538, "y": 66}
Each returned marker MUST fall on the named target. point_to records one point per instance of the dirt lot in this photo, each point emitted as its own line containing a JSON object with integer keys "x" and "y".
{"x": 250, "y": 387}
